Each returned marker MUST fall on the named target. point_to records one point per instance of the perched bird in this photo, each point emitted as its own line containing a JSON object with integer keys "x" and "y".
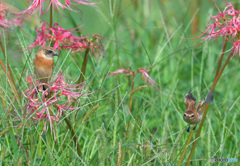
{"x": 193, "y": 114}
{"x": 43, "y": 64}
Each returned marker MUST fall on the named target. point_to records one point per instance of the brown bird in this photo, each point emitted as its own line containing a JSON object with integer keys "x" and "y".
{"x": 193, "y": 114}
{"x": 43, "y": 64}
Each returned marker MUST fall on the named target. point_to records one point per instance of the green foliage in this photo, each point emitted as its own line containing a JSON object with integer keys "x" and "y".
{"x": 145, "y": 34}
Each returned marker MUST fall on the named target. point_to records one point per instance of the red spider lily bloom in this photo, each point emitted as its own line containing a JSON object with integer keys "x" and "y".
{"x": 57, "y": 35}
{"x": 83, "y": 2}
{"x": 7, "y": 22}
{"x": 64, "y": 39}
{"x": 119, "y": 71}
{"x": 33, "y": 7}
{"x": 147, "y": 78}
{"x": 96, "y": 44}
{"x": 225, "y": 24}
{"x": 39, "y": 4}
{"x": 236, "y": 47}
{"x": 78, "y": 46}
{"x": 41, "y": 108}
{"x": 93, "y": 43}
{"x": 145, "y": 75}
{"x": 42, "y": 37}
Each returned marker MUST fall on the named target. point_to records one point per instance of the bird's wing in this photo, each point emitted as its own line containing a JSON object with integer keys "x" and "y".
{"x": 208, "y": 99}
{"x": 189, "y": 99}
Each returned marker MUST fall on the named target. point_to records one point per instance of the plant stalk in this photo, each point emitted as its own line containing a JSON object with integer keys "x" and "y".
{"x": 130, "y": 102}
{"x": 195, "y": 21}
{"x": 2, "y": 98}
{"x": 9, "y": 69}
{"x": 216, "y": 75}
{"x": 10, "y": 81}
{"x": 131, "y": 96}
{"x": 51, "y": 15}
{"x": 206, "y": 110}
{"x": 84, "y": 66}
{"x": 10, "y": 77}
{"x": 185, "y": 148}
{"x": 73, "y": 134}
{"x": 221, "y": 58}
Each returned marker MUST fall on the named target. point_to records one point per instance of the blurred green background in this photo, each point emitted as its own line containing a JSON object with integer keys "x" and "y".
{"x": 154, "y": 34}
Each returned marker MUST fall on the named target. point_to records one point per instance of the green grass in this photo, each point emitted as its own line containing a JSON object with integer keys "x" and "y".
{"x": 147, "y": 34}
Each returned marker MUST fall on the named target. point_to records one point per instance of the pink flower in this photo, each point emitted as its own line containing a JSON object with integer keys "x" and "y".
{"x": 147, "y": 78}
{"x": 225, "y": 24}
{"x": 42, "y": 37}
{"x": 39, "y": 107}
{"x": 93, "y": 43}
{"x": 119, "y": 71}
{"x": 60, "y": 35}
{"x": 78, "y": 45}
{"x": 83, "y": 2}
{"x": 7, "y": 22}
{"x": 96, "y": 44}
{"x": 64, "y": 39}
{"x": 39, "y": 4}
{"x": 143, "y": 71}
{"x": 236, "y": 47}
{"x": 33, "y": 7}
{"x": 61, "y": 38}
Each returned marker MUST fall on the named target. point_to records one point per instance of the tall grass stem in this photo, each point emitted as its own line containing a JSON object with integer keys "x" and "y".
{"x": 214, "y": 82}
{"x": 207, "y": 106}
{"x": 84, "y": 66}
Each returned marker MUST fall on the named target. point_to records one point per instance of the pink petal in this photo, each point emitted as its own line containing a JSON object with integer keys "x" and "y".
{"x": 147, "y": 78}
{"x": 119, "y": 71}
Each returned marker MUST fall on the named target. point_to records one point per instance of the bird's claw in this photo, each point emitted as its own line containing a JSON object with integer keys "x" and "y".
{"x": 194, "y": 127}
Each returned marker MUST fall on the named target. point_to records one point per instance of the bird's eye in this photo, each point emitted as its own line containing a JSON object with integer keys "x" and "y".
{"x": 49, "y": 51}
{"x": 192, "y": 116}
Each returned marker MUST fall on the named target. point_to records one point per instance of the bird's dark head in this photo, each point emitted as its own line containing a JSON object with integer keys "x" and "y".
{"x": 47, "y": 52}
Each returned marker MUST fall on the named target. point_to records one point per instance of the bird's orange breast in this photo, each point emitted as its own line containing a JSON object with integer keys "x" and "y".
{"x": 43, "y": 62}
{"x": 43, "y": 68}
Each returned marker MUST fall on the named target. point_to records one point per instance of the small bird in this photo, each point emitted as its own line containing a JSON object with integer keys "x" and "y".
{"x": 43, "y": 64}
{"x": 193, "y": 114}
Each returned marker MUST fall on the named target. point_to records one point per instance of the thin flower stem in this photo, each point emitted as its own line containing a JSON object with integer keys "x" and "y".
{"x": 221, "y": 58}
{"x": 51, "y": 21}
{"x": 220, "y": 73}
{"x": 206, "y": 110}
{"x": 216, "y": 75}
{"x": 74, "y": 137}
{"x": 185, "y": 148}
{"x": 10, "y": 81}
{"x": 9, "y": 69}
{"x": 2, "y": 98}
{"x": 83, "y": 71}
{"x": 130, "y": 102}
{"x": 195, "y": 21}
{"x": 84, "y": 66}
{"x": 51, "y": 15}
{"x": 198, "y": 134}
{"x": 131, "y": 97}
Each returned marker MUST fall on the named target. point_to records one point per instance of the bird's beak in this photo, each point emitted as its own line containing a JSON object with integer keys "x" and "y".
{"x": 56, "y": 55}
